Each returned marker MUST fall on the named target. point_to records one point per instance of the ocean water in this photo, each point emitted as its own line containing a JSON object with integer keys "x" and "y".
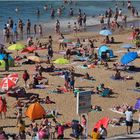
{"x": 27, "y": 10}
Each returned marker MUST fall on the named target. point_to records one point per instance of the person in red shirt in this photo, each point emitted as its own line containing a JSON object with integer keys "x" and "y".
{"x": 26, "y": 77}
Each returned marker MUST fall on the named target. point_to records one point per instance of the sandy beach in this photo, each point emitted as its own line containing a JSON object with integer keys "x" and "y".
{"x": 66, "y": 103}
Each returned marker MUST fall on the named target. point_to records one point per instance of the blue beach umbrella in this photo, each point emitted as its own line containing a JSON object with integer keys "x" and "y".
{"x": 127, "y": 46}
{"x": 105, "y": 32}
{"x": 137, "y": 104}
{"x": 129, "y": 57}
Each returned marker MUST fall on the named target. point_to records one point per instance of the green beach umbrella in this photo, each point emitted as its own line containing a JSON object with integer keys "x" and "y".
{"x": 61, "y": 61}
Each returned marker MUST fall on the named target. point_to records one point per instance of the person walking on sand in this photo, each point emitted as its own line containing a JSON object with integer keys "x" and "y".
{"x": 26, "y": 77}
{"x": 6, "y": 62}
{"x": 129, "y": 120}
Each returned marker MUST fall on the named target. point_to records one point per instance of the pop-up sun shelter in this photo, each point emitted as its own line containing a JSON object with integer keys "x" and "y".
{"x": 137, "y": 105}
{"x": 2, "y": 62}
{"x": 105, "y": 49}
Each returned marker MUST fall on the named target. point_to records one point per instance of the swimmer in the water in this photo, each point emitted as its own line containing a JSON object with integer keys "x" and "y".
{"x": 59, "y": 11}
{"x": 16, "y": 10}
{"x": 46, "y": 7}
{"x": 38, "y": 12}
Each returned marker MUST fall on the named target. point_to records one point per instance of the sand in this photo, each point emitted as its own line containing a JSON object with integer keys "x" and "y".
{"x": 66, "y": 103}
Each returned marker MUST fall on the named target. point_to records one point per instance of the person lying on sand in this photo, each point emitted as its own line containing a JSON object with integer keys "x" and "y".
{"x": 96, "y": 108}
{"x": 88, "y": 77}
{"x": 137, "y": 85}
{"x": 101, "y": 88}
{"x": 117, "y": 121}
{"x": 118, "y": 76}
{"x": 47, "y": 100}
{"x": 121, "y": 108}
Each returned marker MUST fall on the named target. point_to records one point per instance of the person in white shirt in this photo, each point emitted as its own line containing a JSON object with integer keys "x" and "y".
{"x": 103, "y": 132}
{"x": 129, "y": 120}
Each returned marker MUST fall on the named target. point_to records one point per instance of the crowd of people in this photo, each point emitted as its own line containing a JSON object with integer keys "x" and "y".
{"x": 51, "y": 128}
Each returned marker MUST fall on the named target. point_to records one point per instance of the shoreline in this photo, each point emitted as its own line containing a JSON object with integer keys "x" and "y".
{"x": 92, "y": 26}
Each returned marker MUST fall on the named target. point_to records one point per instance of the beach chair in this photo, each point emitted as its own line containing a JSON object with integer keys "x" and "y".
{"x": 105, "y": 92}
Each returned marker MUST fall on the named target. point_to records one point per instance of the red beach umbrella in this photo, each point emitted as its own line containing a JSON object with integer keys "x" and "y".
{"x": 9, "y": 82}
{"x": 104, "y": 121}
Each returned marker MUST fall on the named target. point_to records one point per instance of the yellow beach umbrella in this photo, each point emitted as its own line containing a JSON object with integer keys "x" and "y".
{"x": 61, "y": 61}
{"x": 34, "y": 58}
{"x": 17, "y": 47}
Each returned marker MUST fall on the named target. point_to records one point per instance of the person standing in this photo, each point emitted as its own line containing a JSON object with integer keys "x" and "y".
{"x": 28, "y": 27}
{"x": 129, "y": 120}
{"x": 15, "y": 32}
{"x": 6, "y": 62}
{"x": 84, "y": 20}
{"x": 103, "y": 132}
{"x": 40, "y": 30}
{"x": 60, "y": 132}
{"x": 3, "y": 106}
{"x": 35, "y": 31}
{"x": 84, "y": 123}
{"x": 26, "y": 77}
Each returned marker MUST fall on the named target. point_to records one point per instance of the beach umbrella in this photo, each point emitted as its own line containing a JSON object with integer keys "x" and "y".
{"x": 61, "y": 61}
{"x": 137, "y": 104}
{"x": 105, "y": 32}
{"x": 13, "y": 77}
{"x": 127, "y": 46}
{"x": 29, "y": 49}
{"x": 16, "y": 47}
{"x": 129, "y": 57}
{"x": 104, "y": 121}
{"x": 9, "y": 82}
{"x": 34, "y": 58}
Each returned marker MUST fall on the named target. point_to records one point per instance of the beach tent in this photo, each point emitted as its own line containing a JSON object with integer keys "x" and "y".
{"x": 104, "y": 49}
{"x": 2, "y": 62}
{"x": 35, "y": 111}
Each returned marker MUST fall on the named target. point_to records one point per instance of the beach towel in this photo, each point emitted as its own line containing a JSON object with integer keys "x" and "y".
{"x": 91, "y": 79}
{"x": 38, "y": 48}
{"x": 134, "y": 90}
{"x": 54, "y": 92}
{"x": 82, "y": 67}
{"x": 120, "y": 51}
{"x": 92, "y": 110}
{"x": 60, "y": 52}
{"x": 113, "y": 78}
{"x": 116, "y": 111}
{"x": 40, "y": 86}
